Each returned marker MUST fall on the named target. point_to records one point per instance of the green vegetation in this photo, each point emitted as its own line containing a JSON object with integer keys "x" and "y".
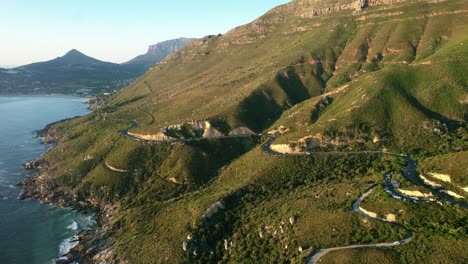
{"x": 256, "y": 219}
{"x": 364, "y": 256}
{"x": 437, "y": 228}
{"x": 389, "y": 78}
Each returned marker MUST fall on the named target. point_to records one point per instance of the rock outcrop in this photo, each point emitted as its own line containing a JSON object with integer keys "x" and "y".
{"x": 152, "y": 137}
{"x": 241, "y": 131}
{"x": 158, "y": 52}
{"x": 36, "y": 164}
{"x": 313, "y": 8}
{"x": 202, "y": 129}
{"x": 213, "y": 209}
{"x": 208, "y": 130}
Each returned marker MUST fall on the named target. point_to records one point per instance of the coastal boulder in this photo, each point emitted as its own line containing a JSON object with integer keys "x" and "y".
{"x": 35, "y": 164}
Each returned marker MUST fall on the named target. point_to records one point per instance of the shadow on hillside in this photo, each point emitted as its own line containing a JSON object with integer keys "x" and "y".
{"x": 129, "y": 101}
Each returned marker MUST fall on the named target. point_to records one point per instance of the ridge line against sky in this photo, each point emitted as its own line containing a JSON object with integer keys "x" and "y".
{"x": 114, "y": 31}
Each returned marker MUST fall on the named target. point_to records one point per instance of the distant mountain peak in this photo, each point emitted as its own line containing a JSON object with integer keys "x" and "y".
{"x": 76, "y": 57}
{"x": 74, "y": 52}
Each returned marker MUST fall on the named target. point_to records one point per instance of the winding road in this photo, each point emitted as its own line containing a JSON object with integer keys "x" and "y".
{"x": 408, "y": 172}
{"x": 317, "y": 254}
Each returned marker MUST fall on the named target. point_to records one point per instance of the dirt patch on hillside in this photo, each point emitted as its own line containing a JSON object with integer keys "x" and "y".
{"x": 440, "y": 176}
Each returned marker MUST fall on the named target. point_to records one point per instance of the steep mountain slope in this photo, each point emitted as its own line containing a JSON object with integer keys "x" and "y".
{"x": 288, "y": 58}
{"x": 323, "y": 76}
{"x": 157, "y": 53}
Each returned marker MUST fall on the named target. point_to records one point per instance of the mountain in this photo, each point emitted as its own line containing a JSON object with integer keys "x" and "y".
{"x": 74, "y": 72}
{"x": 158, "y": 52}
{"x": 77, "y": 67}
{"x": 78, "y": 73}
{"x": 270, "y": 143}
{"x": 73, "y": 57}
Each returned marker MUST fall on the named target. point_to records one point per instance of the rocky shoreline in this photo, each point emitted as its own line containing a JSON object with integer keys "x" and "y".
{"x": 94, "y": 245}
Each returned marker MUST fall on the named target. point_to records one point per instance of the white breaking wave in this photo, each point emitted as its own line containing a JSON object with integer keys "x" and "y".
{"x": 73, "y": 226}
{"x": 66, "y": 245}
{"x": 72, "y": 242}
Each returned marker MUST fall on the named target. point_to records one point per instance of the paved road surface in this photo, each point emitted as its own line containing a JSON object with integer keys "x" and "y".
{"x": 408, "y": 172}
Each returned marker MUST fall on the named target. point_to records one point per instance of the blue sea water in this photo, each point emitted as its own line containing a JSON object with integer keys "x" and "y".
{"x": 32, "y": 232}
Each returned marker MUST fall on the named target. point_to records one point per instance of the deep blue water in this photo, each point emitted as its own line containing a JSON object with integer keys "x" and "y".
{"x": 32, "y": 232}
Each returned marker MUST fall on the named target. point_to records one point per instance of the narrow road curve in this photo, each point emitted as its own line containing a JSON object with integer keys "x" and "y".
{"x": 408, "y": 172}
{"x": 317, "y": 254}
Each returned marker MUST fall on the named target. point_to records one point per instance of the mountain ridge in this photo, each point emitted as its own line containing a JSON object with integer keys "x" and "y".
{"x": 72, "y": 57}
{"x": 78, "y": 73}
{"x": 387, "y": 78}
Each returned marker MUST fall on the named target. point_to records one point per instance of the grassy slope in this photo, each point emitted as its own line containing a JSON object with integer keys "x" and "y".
{"x": 437, "y": 229}
{"x": 405, "y": 68}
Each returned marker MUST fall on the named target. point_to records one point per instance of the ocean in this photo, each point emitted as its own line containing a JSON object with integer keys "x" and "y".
{"x": 30, "y": 231}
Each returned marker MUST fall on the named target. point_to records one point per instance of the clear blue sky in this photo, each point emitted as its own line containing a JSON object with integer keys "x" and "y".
{"x": 118, "y": 30}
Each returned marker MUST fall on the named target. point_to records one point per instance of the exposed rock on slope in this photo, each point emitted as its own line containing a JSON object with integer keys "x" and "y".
{"x": 272, "y": 75}
{"x": 157, "y": 53}
{"x": 191, "y": 130}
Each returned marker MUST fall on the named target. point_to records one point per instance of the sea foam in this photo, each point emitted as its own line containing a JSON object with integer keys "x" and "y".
{"x": 66, "y": 246}
{"x": 73, "y": 226}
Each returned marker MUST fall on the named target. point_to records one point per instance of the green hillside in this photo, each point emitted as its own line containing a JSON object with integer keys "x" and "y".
{"x": 391, "y": 76}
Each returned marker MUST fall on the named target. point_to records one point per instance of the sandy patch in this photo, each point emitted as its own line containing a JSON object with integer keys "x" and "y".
{"x": 453, "y": 194}
{"x": 442, "y": 177}
{"x": 429, "y": 182}
{"x": 371, "y": 214}
{"x": 390, "y": 217}
{"x": 415, "y": 193}
{"x": 285, "y": 149}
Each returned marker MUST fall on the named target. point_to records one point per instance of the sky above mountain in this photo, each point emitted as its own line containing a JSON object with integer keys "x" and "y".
{"x": 114, "y": 31}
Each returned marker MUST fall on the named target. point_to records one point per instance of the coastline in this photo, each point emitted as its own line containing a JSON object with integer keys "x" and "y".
{"x": 93, "y": 100}
{"x": 88, "y": 245}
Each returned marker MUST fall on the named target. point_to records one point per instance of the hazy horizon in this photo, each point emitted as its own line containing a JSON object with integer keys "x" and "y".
{"x": 112, "y": 31}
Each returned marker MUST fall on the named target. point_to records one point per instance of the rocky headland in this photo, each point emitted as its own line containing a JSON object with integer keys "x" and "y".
{"x": 94, "y": 245}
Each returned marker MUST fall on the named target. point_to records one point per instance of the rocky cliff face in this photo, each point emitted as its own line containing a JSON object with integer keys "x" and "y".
{"x": 167, "y": 47}
{"x": 158, "y": 52}
{"x": 311, "y": 8}
{"x": 260, "y": 28}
